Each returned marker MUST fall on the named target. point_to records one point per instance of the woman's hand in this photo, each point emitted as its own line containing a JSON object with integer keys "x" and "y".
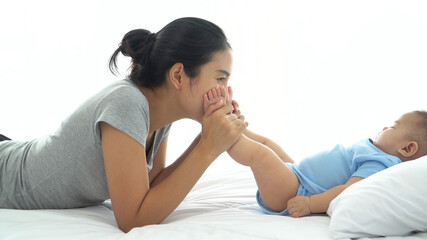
{"x": 220, "y": 129}
{"x": 236, "y": 109}
{"x": 220, "y": 125}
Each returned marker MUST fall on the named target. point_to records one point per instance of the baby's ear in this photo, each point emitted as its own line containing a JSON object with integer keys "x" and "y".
{"x": 409, "y": 150}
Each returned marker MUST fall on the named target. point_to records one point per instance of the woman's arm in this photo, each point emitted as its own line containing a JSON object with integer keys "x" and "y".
{"x": 159, "y": 172}
{"x": 301, "y": 206}
{"x": 137, "y": 204}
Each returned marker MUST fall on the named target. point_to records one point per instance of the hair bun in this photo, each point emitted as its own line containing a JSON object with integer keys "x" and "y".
{"x": 150, "y": 38}
{"x": 135, "y": 42}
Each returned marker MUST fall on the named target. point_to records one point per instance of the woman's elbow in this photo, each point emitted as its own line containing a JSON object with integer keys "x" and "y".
{"x": 125, "y": 228}
{"x": 126, "y": 225}
{"x": 129, "y": 225}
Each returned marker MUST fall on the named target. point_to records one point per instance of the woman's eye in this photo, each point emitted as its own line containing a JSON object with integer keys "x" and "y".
{"x": 221, "y": 79}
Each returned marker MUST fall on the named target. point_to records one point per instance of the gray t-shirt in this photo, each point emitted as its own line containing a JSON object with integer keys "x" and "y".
{"x": 66, "y": 169}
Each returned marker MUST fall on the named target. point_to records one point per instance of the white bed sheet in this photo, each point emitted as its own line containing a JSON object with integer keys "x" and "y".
{"x": 220, "y": 206}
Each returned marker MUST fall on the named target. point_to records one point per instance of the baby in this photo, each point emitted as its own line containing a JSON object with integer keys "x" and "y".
{"x": 299, "y": 189}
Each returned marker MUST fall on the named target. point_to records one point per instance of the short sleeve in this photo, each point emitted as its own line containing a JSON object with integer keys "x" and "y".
{"x": 126, "y": 109}
{"x": 368, "y": 168}
{"x": 367, "y": 159}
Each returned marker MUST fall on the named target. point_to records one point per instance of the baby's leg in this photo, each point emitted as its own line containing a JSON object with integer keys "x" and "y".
{"x": 269, "y": 143}
{"x": 276, "y": 182}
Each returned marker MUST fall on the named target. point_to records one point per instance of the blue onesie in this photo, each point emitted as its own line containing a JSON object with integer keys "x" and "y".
{"x": 327, "y": 169}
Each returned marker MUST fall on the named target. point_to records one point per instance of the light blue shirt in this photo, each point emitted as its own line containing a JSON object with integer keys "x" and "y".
{"x": 327, "y": 169}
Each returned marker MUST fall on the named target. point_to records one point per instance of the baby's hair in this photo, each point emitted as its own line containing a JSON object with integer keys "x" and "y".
{"x": 422, "y": 128}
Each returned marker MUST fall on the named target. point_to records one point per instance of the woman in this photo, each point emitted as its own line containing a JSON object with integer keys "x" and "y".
{"x": 114, "y": 145}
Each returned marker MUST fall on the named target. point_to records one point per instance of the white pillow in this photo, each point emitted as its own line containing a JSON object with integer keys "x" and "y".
{"x": 390, "y": 202}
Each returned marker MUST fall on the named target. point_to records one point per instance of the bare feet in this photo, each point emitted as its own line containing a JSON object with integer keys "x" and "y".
{"x": 216, "y": 95}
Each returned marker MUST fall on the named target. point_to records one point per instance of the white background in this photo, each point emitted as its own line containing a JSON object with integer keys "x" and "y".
{"x": 307, "y": 74}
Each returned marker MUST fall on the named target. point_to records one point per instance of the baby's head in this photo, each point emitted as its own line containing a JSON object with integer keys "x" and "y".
{"x": 407, "y": 138}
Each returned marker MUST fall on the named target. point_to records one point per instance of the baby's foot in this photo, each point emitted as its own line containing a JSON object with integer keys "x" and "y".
{"x": 218, "y": 96}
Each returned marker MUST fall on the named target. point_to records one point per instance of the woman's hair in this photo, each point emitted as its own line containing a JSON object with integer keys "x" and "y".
{"x": 190, "y": 41}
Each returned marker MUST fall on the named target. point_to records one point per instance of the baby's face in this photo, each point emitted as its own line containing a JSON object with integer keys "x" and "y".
{"x": 390, "y": 139}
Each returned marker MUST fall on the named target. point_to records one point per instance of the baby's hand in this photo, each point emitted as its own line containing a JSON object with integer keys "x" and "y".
{"x": 218, "y": 96}
{"x": 299, "y": 206}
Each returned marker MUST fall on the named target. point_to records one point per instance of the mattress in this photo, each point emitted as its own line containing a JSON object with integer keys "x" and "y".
{"x": 221, "y": 205}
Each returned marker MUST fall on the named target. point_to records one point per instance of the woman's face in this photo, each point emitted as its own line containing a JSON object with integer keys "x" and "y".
{"x": 212, "y": 74}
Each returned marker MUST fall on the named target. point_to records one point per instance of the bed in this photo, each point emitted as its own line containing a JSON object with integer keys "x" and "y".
{"x": 221, "y": 205}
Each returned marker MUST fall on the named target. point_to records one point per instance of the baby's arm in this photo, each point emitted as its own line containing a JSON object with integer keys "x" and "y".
{"x": 301, "y": 206}
{"x": 269, "y": 143}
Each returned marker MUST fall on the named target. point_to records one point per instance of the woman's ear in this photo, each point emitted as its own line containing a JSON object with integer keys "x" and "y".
{"x": 177, "y": 75}
{"x": 409, "y": 149}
